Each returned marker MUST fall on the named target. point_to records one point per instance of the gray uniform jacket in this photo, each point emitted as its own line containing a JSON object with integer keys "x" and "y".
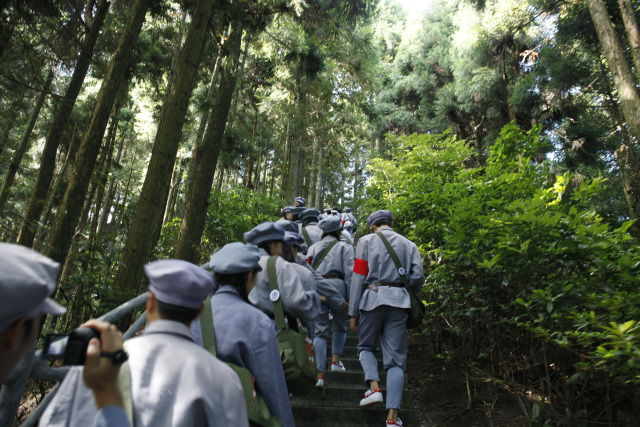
{"x": 245, "y": 337}
{"x": 338, "y": 262}
{"x": 296, "y": 301}
{"x": 174, "y": 382}
{"x": 323, "y": 286}
{"x": 374, "y": 264}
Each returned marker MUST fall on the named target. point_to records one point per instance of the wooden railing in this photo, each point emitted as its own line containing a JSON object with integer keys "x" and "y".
{"x": 34, "y": 366}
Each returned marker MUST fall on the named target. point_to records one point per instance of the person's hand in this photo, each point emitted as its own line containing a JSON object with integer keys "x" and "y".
{"x": 323, "y": 299}
{"x": 344, "y": 305}
{"x": 99, "y": 373}
{"x": 355, "y": 321}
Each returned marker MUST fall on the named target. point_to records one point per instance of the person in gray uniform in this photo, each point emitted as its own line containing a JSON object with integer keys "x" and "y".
{"x": 299, "y": 202}
{"x": 310, "y": 231}
{"x": 287, "y": 215}
{"x": 245, "y": 335}
{"x": 349, "y": 222}
{"x": 378, "y": 308}
{"x": 296, "y": 301}
{"x": 27, "y": 280}
{"x": 334, "y": 261}
{"x": 174, "y": 382}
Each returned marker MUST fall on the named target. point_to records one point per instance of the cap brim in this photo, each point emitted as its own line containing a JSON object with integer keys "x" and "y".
{"x": 49, "y": 306}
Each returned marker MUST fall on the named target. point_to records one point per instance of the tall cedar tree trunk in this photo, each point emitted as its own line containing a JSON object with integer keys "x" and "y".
{"x": 13, "y": 115}
{"x": 200, "y": 186}
{"x": 144, "y": 231}
{"x": 48, "y": 160}
{"x": 623, "y": 78}
{"x": 633, "y": 33}
{"x": 70, "y": 209}
{"x": 23, "y": 146}
{"x": 108, "y": 203}
{"x": 318, "y": 203}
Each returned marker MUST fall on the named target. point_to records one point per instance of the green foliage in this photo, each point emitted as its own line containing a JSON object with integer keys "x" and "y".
{"x": 513, "y": 252}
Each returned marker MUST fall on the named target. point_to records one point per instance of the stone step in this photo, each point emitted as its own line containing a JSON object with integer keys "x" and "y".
{"x": 350, "y": 417}
{"x": 334, "y": 396}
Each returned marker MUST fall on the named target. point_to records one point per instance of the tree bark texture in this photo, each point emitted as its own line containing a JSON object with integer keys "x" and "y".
{"x": 200, "y": 188}
{"x": 23, "y": 146}
{"x": 626, "y": 85}
{"x": 108, "y": 203}
{"x": 70, "y": 209}
{"x": 102, "y": 174}
{"x": 318, "y": 202}
{"x": 633, "y": 33}
{"x": 48, "y": 159}
{"x": 147, "y": 221}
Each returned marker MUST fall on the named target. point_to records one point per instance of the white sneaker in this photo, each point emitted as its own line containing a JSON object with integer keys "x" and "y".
{"x": 320, "y": 382}
{"x": 337, "y": 367}
{"x": 390, "y": 422}
{"x": 372, "y": 397}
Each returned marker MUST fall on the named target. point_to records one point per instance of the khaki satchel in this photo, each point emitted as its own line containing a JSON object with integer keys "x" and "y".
{"x": 416, "y": 312}
{"x": 296, "y": 349}
{"x": 259, "y": 414}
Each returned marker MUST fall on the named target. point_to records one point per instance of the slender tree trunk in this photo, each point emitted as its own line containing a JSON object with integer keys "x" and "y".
{"x": 48, "y": 160}
{"x": 69, "y": 212}
{"x": 102, "y": 174}
{"x": 286, "y": 163}
{"x": 633, "y": 33}
{"x": 198, "y": 199}
{"x": 626, "y": 85}
{"x": 13, "y": 111}
{"x": 176, "y": 180}
{"x": 147, "y": 222}
{"x": 23, "y": 146}
{"x": 110, "y": 192}
{"x": 318, "y": 203}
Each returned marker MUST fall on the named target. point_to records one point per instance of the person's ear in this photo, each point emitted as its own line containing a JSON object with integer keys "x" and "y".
{"x": 11, "y": 336}
{"x": 201, "y": 308}
{"x": 151, "y": 303}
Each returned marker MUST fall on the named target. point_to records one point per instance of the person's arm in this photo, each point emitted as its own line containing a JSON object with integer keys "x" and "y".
{"x": 100, "y": 374}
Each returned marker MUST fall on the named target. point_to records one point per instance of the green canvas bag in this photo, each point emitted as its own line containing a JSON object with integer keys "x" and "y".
{"x": 259, "y": 414}
{"x": 416, "y": 312}
{"x": 296, "y": 349}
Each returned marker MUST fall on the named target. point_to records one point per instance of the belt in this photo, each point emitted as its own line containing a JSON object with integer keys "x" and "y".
{"x": 330, "y": 276}
{"x": 374, "y": 286}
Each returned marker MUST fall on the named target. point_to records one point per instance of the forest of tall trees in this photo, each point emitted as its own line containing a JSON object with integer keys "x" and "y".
{"x": 503, "y": 134}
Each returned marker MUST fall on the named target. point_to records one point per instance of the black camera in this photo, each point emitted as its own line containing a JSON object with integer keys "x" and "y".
{"x": 71, "y": 348}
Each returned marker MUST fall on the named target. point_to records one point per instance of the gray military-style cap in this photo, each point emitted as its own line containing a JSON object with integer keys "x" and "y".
{"x": 309, "y": 213}
{"x": 235, "y": 258}
{"x": 378, "y": 215}
{"x": 264, "y": 232}
{"x": 330, "y": 224}
{"x": 179, "y": 282}
{"x": 27, "y": 279}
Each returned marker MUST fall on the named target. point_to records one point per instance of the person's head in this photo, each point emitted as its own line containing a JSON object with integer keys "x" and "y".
{"x": 308, "y": 216}
{"x": 331, "y": 226}
{"x": 236, "y": 264}
{"x": 299, "y": 202}
{"x": 287, "y": 214}
{"x": 327, "y": 211}
{"x": 379, "y": 219}
{"x": 27, "y": 279}
{"x": 347, "y": 209}
{"x": 292, "y": 241}
{"x": 268, "y": 236}
{"x": 177, "y": 289}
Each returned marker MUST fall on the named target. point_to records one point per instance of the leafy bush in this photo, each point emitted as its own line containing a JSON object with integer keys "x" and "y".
{"x": 519, "y": 269}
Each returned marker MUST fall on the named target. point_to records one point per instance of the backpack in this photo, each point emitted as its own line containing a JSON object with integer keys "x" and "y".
{"x": 296, "y": 349}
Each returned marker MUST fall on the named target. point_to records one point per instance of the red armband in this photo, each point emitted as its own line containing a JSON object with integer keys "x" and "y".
{"x": 309, "y": 261}
{"x": 361, "y": 266}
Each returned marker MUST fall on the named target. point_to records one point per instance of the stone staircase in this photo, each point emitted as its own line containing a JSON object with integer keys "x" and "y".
{"x": 337, "y": 404}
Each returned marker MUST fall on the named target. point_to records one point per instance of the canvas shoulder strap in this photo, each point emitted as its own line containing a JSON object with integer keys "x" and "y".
{"x": 320, "y": 257}
{"x": 206, "y": 326}
{"x": 278, "y": 311}
{"x": 396, "y": 260}
{"x": 306, "y": 236}
{"x": 124, "y": 384}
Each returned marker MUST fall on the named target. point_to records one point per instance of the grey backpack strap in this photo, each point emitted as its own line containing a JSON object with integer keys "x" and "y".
{"x": 394, "y": 256}
{"x": 278, "y": 311}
